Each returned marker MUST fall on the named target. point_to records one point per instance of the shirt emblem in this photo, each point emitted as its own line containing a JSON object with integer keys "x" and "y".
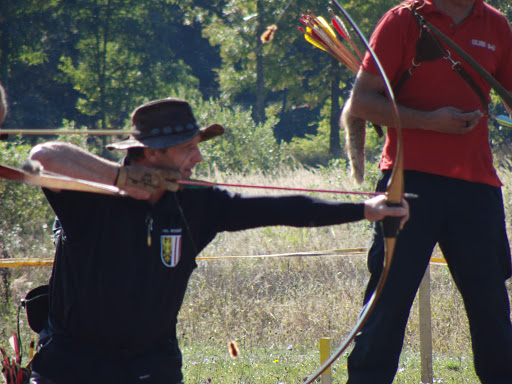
{"x": 170, "y": 248}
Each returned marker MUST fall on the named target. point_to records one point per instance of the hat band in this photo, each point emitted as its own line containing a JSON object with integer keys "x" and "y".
{"x": 169, "y": 130}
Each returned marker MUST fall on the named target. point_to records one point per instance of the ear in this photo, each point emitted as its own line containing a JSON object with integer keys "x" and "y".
{"x": 149, "y": 154}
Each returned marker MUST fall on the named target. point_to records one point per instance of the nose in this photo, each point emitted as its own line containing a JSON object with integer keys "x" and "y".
{"x": 198, "y": 156}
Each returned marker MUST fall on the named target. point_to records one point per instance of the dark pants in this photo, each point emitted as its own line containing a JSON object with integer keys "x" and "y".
{"x": 467, "y": 221}
{"x": 74, "y": 363}
{"x": 38, "y": 379}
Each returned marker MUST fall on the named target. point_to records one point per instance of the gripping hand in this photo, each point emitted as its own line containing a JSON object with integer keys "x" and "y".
{"x": 147, "y": 178}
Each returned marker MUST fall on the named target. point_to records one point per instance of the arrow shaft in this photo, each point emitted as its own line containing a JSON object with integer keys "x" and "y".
{"x": 211, "y": 184}
{"x": 51, "y": 132}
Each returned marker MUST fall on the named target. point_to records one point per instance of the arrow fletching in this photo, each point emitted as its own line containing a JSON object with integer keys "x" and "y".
{"x": 323, "y": 24}
{"x": 321, "y": 35}
{"x": 504, "y": 121}
{"x": 339, "y": 25}
{"x": 311, "y": 39}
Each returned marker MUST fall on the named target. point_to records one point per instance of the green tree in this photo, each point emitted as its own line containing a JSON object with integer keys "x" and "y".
{"x": 123, "y": 59}
{"x": 294, "y": 72}
{"x": 32, "y": 38}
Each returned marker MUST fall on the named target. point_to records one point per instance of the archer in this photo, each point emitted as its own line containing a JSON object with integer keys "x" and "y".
{"x": 122, "y": 264}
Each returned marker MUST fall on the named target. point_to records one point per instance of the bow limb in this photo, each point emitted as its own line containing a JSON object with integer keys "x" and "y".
{"x": 390, "y": 225}
{"x": 57, "y": 181}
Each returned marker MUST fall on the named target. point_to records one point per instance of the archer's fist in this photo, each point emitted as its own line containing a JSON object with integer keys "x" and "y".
{"x": 376, "y": 209}
{"x": 147, "y": 179}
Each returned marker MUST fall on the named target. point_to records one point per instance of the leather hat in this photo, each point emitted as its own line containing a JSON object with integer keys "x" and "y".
{"x": 165, "y": 123}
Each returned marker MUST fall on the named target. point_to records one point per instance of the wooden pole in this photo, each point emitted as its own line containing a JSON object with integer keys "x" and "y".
{"x": 325, "y": 352}
{"x": 425, "y": 328}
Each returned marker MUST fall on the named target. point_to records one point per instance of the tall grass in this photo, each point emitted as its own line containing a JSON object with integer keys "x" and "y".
{"x": 277, "y": 308}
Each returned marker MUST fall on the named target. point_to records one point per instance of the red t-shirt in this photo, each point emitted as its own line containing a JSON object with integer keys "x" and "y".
{"x": 486, "y": 35}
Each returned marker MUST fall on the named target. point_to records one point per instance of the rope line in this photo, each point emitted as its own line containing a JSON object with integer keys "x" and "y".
{"x": 48, "y": 261}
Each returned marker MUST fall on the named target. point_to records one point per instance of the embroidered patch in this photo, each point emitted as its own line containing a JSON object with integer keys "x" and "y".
{"x": 483, "y": 44}
{"x": 170, "y": 249}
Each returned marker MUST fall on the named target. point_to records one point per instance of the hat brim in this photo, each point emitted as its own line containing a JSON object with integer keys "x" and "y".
{"x": 160, "y": 142}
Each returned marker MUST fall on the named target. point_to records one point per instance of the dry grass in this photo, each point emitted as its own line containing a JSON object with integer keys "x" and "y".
{"x": 294, "y": 301}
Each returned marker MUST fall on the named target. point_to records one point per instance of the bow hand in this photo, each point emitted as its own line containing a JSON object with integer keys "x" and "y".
{"x": 392, "y": 215}
{"x": 142, "y": 182}
{"x": 391, "y": 225}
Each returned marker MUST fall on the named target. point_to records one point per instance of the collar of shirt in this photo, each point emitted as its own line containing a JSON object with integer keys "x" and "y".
{"x": 430, "y": 7}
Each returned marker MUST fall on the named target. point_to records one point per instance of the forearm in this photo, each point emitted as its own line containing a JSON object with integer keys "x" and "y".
{"x": 369, "y": 101}
{"x": 70, "y": 160}
{"x": 378, "y": 109}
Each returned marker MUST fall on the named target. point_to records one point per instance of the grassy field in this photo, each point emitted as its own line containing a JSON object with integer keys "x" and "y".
{"x": 277, "y": 308}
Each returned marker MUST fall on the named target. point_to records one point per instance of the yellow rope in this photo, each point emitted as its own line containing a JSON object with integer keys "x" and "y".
{"x": 48, "y": 262}
{"x": 17, "y": 263}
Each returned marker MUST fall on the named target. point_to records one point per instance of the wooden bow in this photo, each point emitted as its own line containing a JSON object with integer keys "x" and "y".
{"x": 56, "y": 181}
{"x": 390, "y": 226}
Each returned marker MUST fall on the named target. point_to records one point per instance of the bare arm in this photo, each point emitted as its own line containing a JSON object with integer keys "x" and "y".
{"x": 369, "y": 102}
{"x": 70, "y": 160}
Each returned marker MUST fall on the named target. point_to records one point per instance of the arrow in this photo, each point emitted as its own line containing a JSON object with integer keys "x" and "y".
{"x": 49, "y": 132}
{"x": 201, "y": 183}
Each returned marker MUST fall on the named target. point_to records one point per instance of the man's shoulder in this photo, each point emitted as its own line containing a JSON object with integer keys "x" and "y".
{"x": 496, "y": 16}
{"x": 400, "y": 16}
{"x": 403, "y": 9}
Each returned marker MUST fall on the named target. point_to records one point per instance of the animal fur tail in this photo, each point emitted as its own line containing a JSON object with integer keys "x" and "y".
{"x": 355, "y": 136}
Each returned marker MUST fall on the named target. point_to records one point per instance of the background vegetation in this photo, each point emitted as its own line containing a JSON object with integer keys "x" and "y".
{"x": 86, "y": 64}
{"x": 276, "y": 308}
{"x": 91, "y": 62}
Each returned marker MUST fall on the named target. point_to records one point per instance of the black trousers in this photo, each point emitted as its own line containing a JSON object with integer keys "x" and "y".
{"x": 467, "y": 221}
{"x": 76, "y": 363}
{"x": 38, "y": 379}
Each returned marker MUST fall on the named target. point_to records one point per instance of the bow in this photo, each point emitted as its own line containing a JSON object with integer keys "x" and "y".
{"x": 52, "y": 181}
{"x": 390, "y": 226}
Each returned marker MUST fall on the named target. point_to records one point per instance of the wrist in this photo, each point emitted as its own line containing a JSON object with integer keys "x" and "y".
{"x": 121, "y": 177}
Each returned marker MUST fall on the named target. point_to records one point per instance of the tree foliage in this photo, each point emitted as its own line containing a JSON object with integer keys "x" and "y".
{"x": 91, "y": 62}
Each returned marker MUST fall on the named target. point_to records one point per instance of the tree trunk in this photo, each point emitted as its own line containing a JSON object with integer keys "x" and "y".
{"x": 4, "y": 44}
{"x": 259, "y": 115}
{"x": 334, "y": 139}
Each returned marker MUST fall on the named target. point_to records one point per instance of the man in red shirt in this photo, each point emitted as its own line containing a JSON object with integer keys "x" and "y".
{"x": 448, "y": 163}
